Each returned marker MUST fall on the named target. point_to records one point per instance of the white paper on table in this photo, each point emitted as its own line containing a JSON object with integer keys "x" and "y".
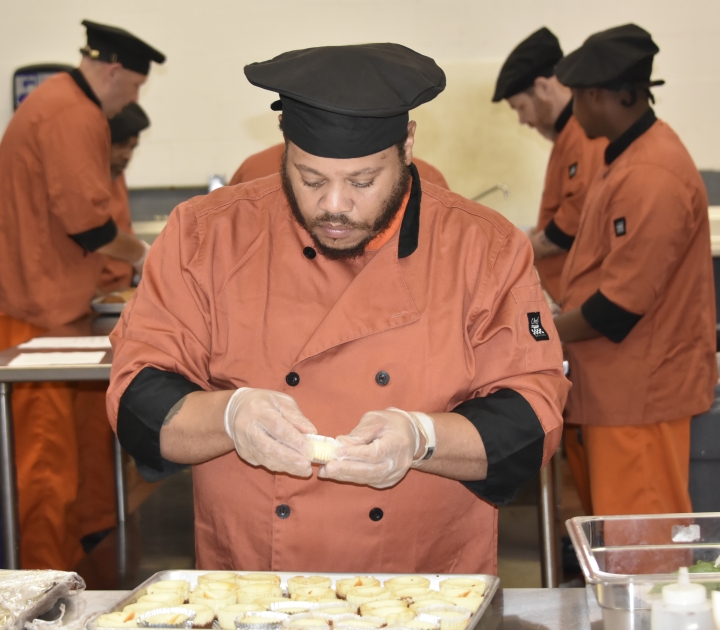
{"x": 36, "y": 359}
{"x": 67, "y": 342}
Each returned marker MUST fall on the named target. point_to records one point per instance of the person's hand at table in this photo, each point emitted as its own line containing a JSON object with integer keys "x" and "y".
{"x": 378, "y": 452}
{"x": 268, "y": 430}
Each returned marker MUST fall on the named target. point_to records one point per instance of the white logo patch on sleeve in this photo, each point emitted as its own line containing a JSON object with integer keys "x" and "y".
{"x": 620, "y": 226}
{"x": 536, "y": 328}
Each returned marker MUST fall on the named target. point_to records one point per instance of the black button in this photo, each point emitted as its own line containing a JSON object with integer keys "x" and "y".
{"x": 283, "y": 511}
{"x": 376, "y": 514}
{"x": 292, "y": 379}
{"x": 382, "y": 378}
{"x": 309, "y": 253}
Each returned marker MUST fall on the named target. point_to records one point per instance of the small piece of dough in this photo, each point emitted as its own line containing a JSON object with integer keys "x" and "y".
{"x": 323, "y": 448}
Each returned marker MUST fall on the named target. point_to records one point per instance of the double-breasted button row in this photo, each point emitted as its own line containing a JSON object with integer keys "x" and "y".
{"x": 381, "y": 378}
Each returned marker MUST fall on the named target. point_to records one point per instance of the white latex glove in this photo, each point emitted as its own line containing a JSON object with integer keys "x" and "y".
{"x": 140, "y": 262}
{"x": 378, "y": 452}
{"x": 267, "y": 428}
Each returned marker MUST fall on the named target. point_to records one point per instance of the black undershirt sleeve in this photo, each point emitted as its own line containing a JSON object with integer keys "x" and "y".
{"x": 609, "y": 319}
{"x": 513, "y": 439}
{"x": 94, "y": 239}
{"x": 556, "y": 236}
{"x": 143, "y": 408}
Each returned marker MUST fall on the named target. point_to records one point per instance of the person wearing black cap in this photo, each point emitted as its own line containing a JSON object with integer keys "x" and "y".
{"x": 638, "y": 318}
{"x": 55, "y": 223}
{"x": 527, "y": 82}
{"x": 328, "y": 300}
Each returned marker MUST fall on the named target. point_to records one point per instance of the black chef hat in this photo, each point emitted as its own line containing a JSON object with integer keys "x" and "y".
{"x": 534, "y": 57}
{"x": 128, "y": 123}
{"x": 112, "y": 44}
{"x": 348, "y": 101}
{"x": 616, "y": 59}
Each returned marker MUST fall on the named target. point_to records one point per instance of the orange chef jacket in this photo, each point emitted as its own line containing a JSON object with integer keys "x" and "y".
{"x": 573, "y": 162}
{"x": 54, "y": 203}
{"x": 642, "y": 256}
{"x": 118, "y": 274}
{"x": 446, "y": 315}
{"x": 267, "y": 162}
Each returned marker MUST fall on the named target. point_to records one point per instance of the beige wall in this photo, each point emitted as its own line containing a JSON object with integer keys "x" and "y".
{"x": 207, "y": 118}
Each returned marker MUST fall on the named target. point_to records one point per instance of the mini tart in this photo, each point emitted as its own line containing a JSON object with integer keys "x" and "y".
{"x": 364, "y": 622}
{"x": 163, "y": 600}
{"x": 475, "y": 584}
{"x": 260, "y": 621}
{"x": 323, "y": 448}
{"x": 415, "y": 594}
{"x": 244, "y": 579}
{"x": 252, "y": 592}
{"x": 215, "y": 599}
{"x": 117, "y": 620}
{"x": 335, "y": 617}
{"x": 226, "y": 615}
{"x": 313, "y": 593}
{"x": 395, "y": 615}
{"x": 292, "y": 607}
{"x": 164, "y": 618}
{"x": 266, "y": 602}
{"x": 438, "y": 600}
{"x": 141, "y": 607}
{"x": 422, "y": 625}
{"x": 406, "y": 581}
{"x": 343, "y": 586}
{"x": 218, "y": 576}
{"x": 181, "y": 587}
{"x": 204, "y": 615}
{"x": 470, "y": 600}
{"x": 364, "y": 594}
{"x": 306, "y": 620}
{"x": 366, "y": 609}
{"x": 220, "y": 587}
{"x": 450, "y": 617}
{"x": 313, "y": 580}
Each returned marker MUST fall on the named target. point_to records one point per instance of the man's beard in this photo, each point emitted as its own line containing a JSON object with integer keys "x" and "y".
{"x": 393, "y": 205}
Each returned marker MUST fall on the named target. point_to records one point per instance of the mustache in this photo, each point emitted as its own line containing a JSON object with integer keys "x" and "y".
{"x": 336, "y": 219}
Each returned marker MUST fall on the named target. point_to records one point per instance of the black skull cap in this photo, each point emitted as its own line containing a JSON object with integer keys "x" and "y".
{"x": 112, "y": 44}
{"x": 348, "y": 101}
{"x": 533, "y": 57}
{"x": 128, "y": 123}
{"x": 615, "y": 59}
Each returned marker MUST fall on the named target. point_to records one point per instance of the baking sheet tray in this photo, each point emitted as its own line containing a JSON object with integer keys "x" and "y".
{"x": 491, "y": 581}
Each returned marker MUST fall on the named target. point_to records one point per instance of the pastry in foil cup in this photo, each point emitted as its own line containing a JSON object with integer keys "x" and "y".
{"x": 266, "y": 602}
{"x": 292, "y": 607}
{"x": 180, "y": 587}
{"x": 204, "y": 615}
{"x": 438, "y": 600}
{"x": 394, "y": 614}
{"x": 171, "y": 617}
{"x": 265, "y": 620}
{"x": 364, "y": 594}
{"x": 125, "y": 619}
{"x": 162, "y": 599}
{"x": 362, "y": 623}
{"x": 218, "y": 576}
{"x": 243, "y": 579}
{"x": 406, "y": 581}
{"x": 450, "y": 617}
{"x": 346, "y": 584}
{"x": 306, "y": 620}
{"x": 336, "y": 618}
{"x": 416, "y": 624}
{"x": 414, "y": 594}
{"x": 227, "y": 614}
{"x": 476, "y": 584}
{"x": 323, "y": 448}
{"x": 250, "y": 592}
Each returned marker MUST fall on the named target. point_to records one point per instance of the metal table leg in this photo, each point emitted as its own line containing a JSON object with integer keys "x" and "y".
{"x": 120, "y": 486}
{"x": 8, "y": 480}
{"x": 547, "y": 528}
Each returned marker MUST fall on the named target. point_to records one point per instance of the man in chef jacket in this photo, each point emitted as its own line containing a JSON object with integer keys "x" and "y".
{"x": 343, "y": 298}
{"x": 55, "y": 226}
{"x": 527, "y": 82}
{"x": 638, "y": 317}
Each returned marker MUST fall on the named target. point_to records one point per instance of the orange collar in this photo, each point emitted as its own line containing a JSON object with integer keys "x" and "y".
{"x": 389, "y": 232}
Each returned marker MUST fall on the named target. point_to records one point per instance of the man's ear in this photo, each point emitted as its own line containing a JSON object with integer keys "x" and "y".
{"x": 409, "y": 143}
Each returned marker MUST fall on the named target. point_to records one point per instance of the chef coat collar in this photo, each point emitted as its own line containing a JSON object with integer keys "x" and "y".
{"x": 410, "y": 227}
{"x": 85, "y": 86}
{"x": 638, "y": 128}
{"x": 564, "y": 116}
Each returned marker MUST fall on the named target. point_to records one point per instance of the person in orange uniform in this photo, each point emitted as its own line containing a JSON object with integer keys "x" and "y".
{"x": 638, "y": 319}
{"x": 55, "y": 224}
{"x": 125, "y": 131}
{"x": 528, "y": 83}
{"x": 269, "y": 161}
{"x": 343, "y": 297}
{"x": 96, "y": 497}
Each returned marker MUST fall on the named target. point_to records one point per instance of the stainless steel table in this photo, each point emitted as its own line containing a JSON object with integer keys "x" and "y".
{"x": 90, "y": 326}
{"x": 511, "y": 609}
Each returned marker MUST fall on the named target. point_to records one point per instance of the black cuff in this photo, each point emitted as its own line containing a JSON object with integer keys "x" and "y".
{"x": 513, "y": 439}
{"x": 92, "y": 240}
{"x": 143, "y": 409}
{"x": 556, "y": 236}
{"x": 609, "y": 319}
